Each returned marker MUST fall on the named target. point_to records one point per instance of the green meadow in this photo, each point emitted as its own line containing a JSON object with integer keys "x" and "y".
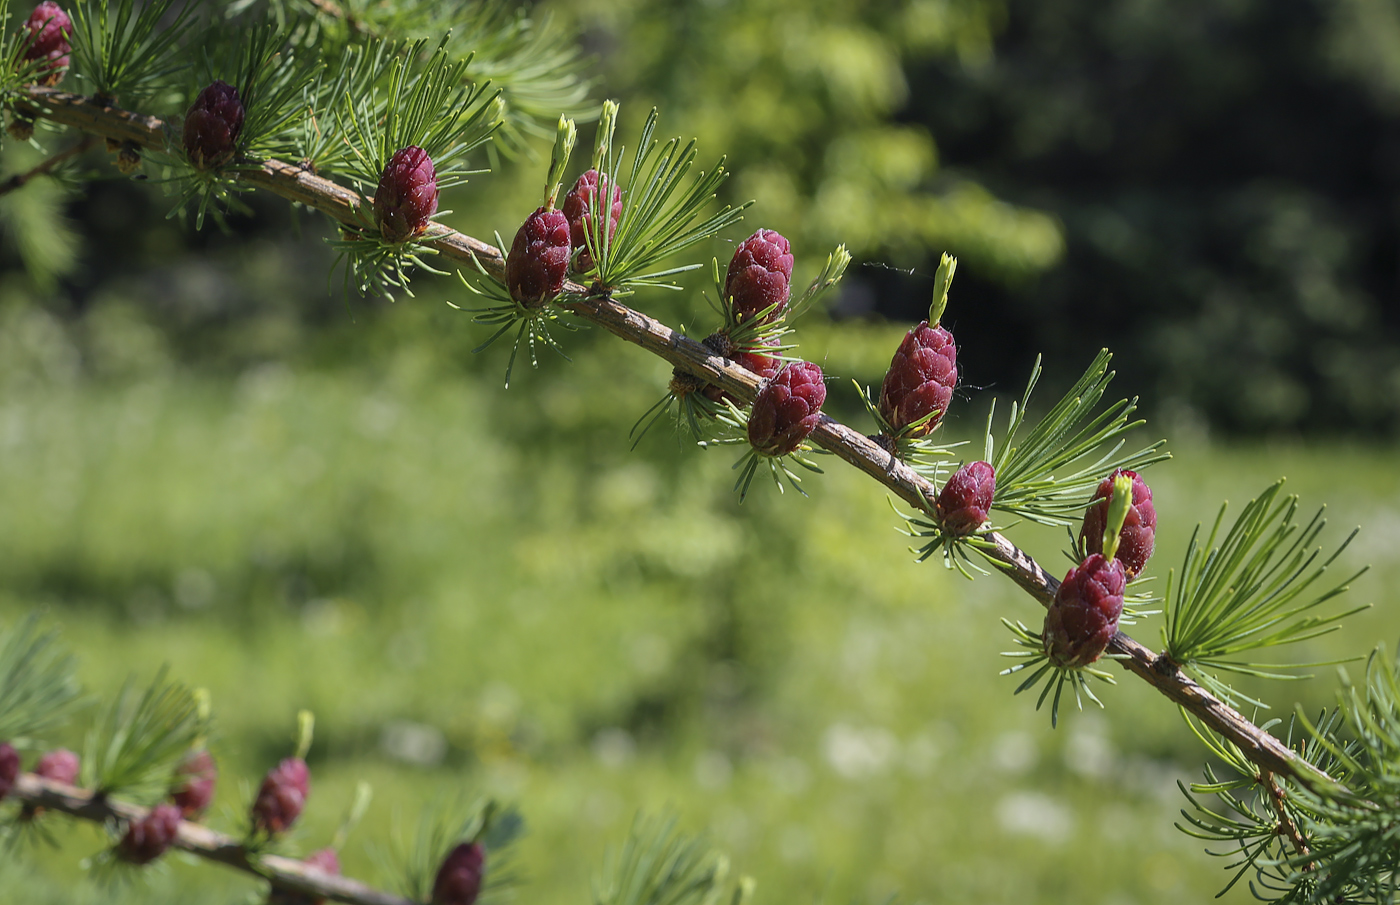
{"x": 481, "y": 591}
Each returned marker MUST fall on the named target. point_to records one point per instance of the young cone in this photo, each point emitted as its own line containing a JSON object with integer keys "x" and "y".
{"x": 919, "y": 383}
{"x": 787, "y": 409}
{"x": 1084, "y": 615}
{"x": 59, "y": 765}
{"x": 1137, "y": 537}
{"x": 49, "y": 29}
{"x": 193, "y": 789}
{"x": 407, "y": 195}
{"x": 458, "y": 880}
{"x": 212, "y": 126}
{"x": 578, "y": 209}
{"x": 963, "y": 503}
{"x": 281, "y": 797}
{"x": 9, "y": 768}
{"x": 759, "y": 276}
{"x": 538, "y": 263}
{"x": 148, "y": 838}
{"x": 325, "y": 860}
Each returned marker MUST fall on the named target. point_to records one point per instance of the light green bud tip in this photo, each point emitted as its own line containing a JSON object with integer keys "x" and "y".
{"x": 1118, "y": 505}
{"x": 306, "y": 725}
{"x": 941, "y": 281}
{"x": 607, "y": 122}
{"x": 564, "y": 140}
{"x": 836, "y": 264}
{"x": 201, "y": 712}
{"x": 364, "y": 794}
{"x": 201, "y": 704}
{"x": 743, "y": 894}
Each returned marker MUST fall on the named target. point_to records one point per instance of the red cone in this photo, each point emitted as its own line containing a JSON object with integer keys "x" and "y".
{"x": 963, "y": 503}
{"x": 787, "y": 409}
{"x": 1084, "y": 616}
{"x": 407, "y": 196}
{"x": 760, "y": 275}
{"x": 920, "y": 380}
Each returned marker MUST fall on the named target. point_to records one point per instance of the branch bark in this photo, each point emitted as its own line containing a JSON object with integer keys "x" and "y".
{"x": 1287, "y": 826}
{"x": 197, "y": 839}
{"x": 853, "y": 447}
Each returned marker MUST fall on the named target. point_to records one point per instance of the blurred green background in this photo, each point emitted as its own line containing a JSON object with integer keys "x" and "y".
{"x": 302, "y": 501}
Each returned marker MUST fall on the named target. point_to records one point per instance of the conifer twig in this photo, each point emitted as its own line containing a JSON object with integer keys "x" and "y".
{"x": 19, "y": 179}
{"x": 1287, "y": 826}
{"x": 855, "y": 448}
{"x": 197, "y": 839}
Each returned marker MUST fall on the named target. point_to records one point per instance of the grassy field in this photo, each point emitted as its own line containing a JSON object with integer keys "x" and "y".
{"x": 482, "y": 591}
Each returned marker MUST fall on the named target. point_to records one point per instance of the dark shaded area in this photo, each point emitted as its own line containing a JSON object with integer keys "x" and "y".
{"x": 1229, "y": 202}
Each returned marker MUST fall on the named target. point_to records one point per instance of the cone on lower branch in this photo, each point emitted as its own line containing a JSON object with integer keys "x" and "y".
{"x": 193, "y": 788}
{"x": 9, "y": 768}
{"x": 147, "y": 839}
{"x": 459, "y": 879}
{"x": 1079, "y": 624}
{"x": 281, "y": 797}
{"x": 58, "y": 765}
{"x": 326, "y": 861}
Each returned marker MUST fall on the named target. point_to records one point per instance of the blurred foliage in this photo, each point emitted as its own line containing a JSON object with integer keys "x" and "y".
{"x": 804, "y": 99}
{"x": 1226, "y": 177}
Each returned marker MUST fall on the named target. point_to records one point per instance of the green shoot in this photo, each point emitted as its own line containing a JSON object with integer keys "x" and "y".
{"x": 1248, "y": 590}
{"x": 1050, "y": 474}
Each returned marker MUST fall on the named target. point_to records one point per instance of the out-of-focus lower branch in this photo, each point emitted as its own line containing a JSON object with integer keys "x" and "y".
{"x": 20, "y": 179}
{"x": 287, "y": 873}
{"x": 296, "y": 184}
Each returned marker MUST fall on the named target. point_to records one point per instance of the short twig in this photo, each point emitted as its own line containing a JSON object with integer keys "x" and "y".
{"x": 1287, "y": 826}
{"x": 19, "y": 179}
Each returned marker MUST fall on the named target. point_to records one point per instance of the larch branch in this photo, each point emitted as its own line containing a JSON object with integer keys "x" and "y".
{"x": 296, "y": 184}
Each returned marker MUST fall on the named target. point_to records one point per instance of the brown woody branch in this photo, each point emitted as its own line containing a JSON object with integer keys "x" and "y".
{"x": 340, "y": 203}
{"x": 284, "y": 873}
{"x": 1287, "y": 826}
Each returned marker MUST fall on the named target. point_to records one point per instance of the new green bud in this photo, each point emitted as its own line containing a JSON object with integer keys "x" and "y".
{"x": 1119, "y": 504}
{"x": 941, "y": 281}
{"x": 565, "y": 137}
{"x": 306, "y": 725}
{"x": 607, "y": 122}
